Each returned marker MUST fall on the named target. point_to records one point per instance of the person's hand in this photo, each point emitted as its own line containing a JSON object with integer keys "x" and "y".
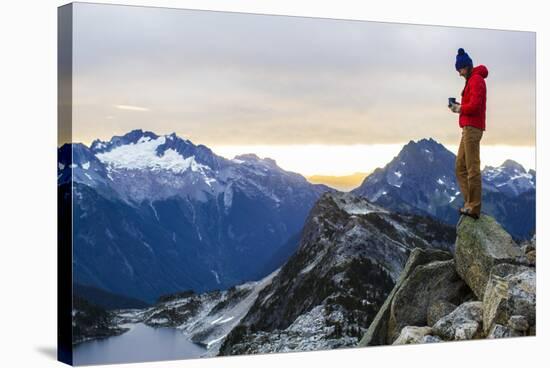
{"x": 455, "y": 108}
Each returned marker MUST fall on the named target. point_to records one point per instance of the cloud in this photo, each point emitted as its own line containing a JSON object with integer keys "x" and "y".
{"x": 131, "y": 108}
{"x": 262, "y": 79}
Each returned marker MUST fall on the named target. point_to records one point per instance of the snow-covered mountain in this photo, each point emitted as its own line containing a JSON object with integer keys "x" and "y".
{"x": 510, "y": 178}
{"x": 421, "y": 179}
{"x": 142, "y": 166}
{"x": 158, "y": 214}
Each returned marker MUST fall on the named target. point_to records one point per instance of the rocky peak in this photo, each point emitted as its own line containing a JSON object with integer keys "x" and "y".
{"x": 513, "y": 165}
{"x": 132, "y": 136}
{"x": 487, "y": 290}
{"x": 349, "y": 255}
{"x": 480, "y": 245}
{"x": 255, "y": 159}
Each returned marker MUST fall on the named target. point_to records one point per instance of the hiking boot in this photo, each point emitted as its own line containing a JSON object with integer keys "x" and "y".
{"x": 468, "y": 212}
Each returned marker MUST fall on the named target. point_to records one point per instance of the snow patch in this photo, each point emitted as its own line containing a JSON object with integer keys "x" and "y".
{"x": 86, "y": 165}
{"x": 216, "y": 275}
{"x": 228, "y": 196}
{"x": 225, "y": 320}
{"x": 154, "y": 210}
{"x": 100, "y": 145}
{"x": 216, "y": 320}
{"x": 312, "y": 265}
{"x": 378, "y": 194}
{"x": 357, "y": 210}
{"x": 209, "y": 180}
{"x": 158, "y": 321}
{"x": 356, "y": 206}
{"x": 143, "y": 155}
{"x": 522, "y": 176}
{"x": 214, "y": 341}
{"x": 109, "y": 234}
{"x": 148, "y": 246}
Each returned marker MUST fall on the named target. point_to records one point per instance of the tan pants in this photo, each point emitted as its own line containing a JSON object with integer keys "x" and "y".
{"x": 467, "y": 168}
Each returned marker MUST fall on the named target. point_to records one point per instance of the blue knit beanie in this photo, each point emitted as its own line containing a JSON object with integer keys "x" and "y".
{"x": 462, "y": 59}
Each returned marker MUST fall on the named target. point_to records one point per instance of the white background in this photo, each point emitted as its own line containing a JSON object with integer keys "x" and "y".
{"x": 28, "y": 144}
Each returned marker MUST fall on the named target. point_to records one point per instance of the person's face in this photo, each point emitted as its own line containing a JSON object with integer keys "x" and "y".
{"x": 463, "y": 72}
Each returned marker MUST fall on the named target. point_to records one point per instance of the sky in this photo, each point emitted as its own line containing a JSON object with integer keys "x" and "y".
{"x": 320, "y": 96}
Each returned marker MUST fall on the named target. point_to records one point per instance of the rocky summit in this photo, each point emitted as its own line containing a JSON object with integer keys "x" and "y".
{"x": 485, "y": 290}
{"x": 480, "y": 245}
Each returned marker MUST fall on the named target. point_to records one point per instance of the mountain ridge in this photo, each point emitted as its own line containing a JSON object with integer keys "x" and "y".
{"x": 421, "y": 179}
{"x": 350, "y": 254}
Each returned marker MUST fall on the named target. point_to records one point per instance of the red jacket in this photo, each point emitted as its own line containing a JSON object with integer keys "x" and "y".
{"x": 474, "y": 99}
